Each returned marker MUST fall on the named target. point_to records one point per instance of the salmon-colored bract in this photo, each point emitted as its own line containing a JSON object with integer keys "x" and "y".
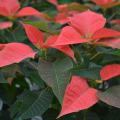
{"x": 78, "y": 96}
{"x": 11, "y": 8}
{"x": 14, "y": 53}
{"x": 84, "y": 30}
{"x": 110, "y": 71}
{"x": 4, "y": 25}
{"x": 37, "y": 38}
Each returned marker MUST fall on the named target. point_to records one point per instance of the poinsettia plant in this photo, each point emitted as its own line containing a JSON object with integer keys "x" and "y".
{"x": 59, "y": 60}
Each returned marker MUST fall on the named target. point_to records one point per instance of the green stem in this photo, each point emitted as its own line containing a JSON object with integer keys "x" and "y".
{"x": 44, "y": 53}
{"x": 85, "y": 115}
{"x": 93, "y": 57}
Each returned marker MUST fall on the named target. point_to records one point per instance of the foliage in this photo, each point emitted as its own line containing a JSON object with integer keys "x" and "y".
{"x": 59, "y": 59}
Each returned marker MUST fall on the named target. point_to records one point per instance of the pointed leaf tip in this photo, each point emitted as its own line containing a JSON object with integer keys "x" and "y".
{"x": 14, "y": 53}
{"x": 110, "y": 71}
{"x": 78, "y": 96}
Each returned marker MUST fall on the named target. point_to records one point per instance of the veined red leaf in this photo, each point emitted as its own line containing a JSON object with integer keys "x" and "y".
{"x": 105, "y": 33}
{"x": 4, "y": 25}
{"x": 63, "y": 48}
{"x": 87, "y": 26}
{"x": 14, "y": 53}
{"x": 67, "y": 50}
{"x": 82, "y": 30}
{"x": 29, "y": 11}
{"x": 34, "y": 35}
{"x": 9, "y": 7}
{"x": 110, "y": 71}
{"x": 61, "y": 18}
{"x": 116, "y": 21}
{"x": 69, "y": 36}
{"x": 78, "y": 96}
{"x": 102, "y": 2}
{"x": 37, "y": 38}
{"x": 112, "y": 42}
{"x": 106, "y": 3}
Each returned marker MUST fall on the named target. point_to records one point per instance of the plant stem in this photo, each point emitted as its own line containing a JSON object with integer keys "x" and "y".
{"x": 93, "y": 57}
{"x": 85, "y": 115}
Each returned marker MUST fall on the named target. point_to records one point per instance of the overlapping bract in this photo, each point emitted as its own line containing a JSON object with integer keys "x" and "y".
{"x": 11, "y": 8}
{"x": 87, "y": 27}
{"x": 37, "y": 38}
{"x": 84, "y": 30}
{"x": 64, "y": 11}
{"x": 14, "y": 53}
{"x": 79, "y": 96}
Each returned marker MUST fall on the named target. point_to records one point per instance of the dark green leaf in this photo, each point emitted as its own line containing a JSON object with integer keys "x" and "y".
{"x": 56, "y": 75}
{"x": 113, "y": 115}
{"x": 111, "y": 96}
{"x": 90, "y": 73}
{"x": 31, "y": 104}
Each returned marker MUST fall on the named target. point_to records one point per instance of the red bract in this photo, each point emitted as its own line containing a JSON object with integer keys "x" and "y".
{"x": 102, "y": 2}
{"x": 78, "y": 96}
{"x": 14, "y": 53}
{"x": 110, "y": 71}
{"x": 61, "y": 18}
{"x": 64, "y": 12}
{"x": 60, "y": 7}
{"x": 114, "y": 43}
{"x": 37, "y": 38}
{"x": 4, "y": 25}
{"x": 117, "y": 21}
{"x": 53, "y": 2}
{"x": 10, "y": 8}
{"x": 106, "y": 3}
{"x": 84, "y": 30}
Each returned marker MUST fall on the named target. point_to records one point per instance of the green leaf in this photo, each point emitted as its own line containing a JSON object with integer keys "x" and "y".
{"x": 109, "y": 59}
{"x": 45, "y": 26}
{"x": 39, "y": 24}
{"x": 14, "y": 35}
{"x": 87, "y": 115}
{"x": 31, "y": 104}
{"x": 92, "y": 116}
{"x": 56, "y": 75}
{"x": 50, "y": 114}
{"x": 74, "y": 6}
{"x": 32, "y": 74}
{"x": 90, "y": 73}
{"x": 111, "y": 96}
{"x": 2, "y": 78}
{"x": 114, "y": 114}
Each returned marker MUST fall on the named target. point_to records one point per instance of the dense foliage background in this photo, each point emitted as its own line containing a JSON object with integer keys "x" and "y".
{"x": 33, "y": 89}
